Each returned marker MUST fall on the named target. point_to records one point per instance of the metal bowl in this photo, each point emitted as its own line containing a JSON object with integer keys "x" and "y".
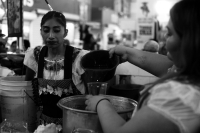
{"x": 75, "y": 115}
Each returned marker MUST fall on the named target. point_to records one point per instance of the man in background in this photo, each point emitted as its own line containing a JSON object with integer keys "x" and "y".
{"x": 151, "y": 46}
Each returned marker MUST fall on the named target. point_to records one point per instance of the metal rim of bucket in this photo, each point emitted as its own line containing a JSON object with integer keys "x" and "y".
{"x": 133, "y": 102}
{"x": 5, "y": 82}
{"x": 98, "y": 69}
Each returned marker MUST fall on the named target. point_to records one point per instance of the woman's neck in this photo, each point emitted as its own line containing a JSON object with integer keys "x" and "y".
{"x": 57, "y": 52}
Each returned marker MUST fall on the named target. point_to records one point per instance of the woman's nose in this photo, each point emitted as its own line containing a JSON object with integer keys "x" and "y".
{"x": 51, "y": 35}
{"x": 165, "y": 36}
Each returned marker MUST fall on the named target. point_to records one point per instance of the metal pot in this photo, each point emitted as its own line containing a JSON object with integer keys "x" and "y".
{"x": 75, "y": 115}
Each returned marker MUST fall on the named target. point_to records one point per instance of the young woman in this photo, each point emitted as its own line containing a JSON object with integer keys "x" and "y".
{"x": 172, "y": 104}
{"x": 56, "y": 66}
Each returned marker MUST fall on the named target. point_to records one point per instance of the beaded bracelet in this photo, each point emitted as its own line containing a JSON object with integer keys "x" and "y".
{"x": 100, "y": 101}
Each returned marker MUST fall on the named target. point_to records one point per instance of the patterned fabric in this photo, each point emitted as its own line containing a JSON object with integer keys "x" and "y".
{"x": 54, "y": 83}
{"x": 172, "y": 69}
{"x": 179, "y": 102}
{"x": 37, "y": 53}
{"x": 36, "y": 96}
{"x": 38, "y": 49}
{"x": 31, "y": 61}
{"x": 55, "y": 87}
{"x": 54, "y": 65}
{"x": 47, "y": 120}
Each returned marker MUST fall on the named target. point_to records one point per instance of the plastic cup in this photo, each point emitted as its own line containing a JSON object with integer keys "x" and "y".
{"x": 96, "y": 88}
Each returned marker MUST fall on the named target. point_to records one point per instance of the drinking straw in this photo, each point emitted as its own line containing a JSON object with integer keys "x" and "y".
{"x": 51, "y": 9}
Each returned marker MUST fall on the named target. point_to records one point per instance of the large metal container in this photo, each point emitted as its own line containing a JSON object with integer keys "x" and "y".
{"x": 75, "y": 115}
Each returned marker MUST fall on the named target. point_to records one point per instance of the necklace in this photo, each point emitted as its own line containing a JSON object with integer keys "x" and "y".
{"x": 56, "y": 53}
{"x": 55, "y": 63}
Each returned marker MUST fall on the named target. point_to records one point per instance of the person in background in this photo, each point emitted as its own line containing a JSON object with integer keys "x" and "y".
{"x": 171, "y": 104}
{"x": 54, "y": 68}
{"x": 5, "y": 63}
{"x": 26, "y": 45}
{"x": 67, "y": 42}
{"x": 88, "y": 40}
{"x": 2, "y": 45}
{"x": 151, "y": 46}
{"x": 13, "y": 47}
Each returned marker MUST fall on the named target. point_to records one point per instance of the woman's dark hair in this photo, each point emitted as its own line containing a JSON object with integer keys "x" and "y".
{"x": 13, "y": 43}
{"x": 185, "y": 18}
{"x": 26, "y": 44}
{"x": 60, "y": 18}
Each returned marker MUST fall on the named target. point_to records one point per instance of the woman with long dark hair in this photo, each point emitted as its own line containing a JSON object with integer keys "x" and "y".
{"x": 171, "y": 104}
{"x": 55, "y": 68}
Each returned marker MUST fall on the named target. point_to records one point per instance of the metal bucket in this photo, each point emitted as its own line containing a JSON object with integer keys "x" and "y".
{"x": 75, "y": 115}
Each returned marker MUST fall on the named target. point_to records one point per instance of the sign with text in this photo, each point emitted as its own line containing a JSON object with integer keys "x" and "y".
{"x": 145, "y": 30}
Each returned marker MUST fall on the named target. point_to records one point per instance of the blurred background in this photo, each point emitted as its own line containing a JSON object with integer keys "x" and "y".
{"x": 110, "y": 22}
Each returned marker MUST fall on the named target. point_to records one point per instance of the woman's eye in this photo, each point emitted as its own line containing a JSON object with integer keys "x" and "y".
{"x": 57, "y": 30}
{"x": 168, "y": 34}
{"x": 46, "y": 30}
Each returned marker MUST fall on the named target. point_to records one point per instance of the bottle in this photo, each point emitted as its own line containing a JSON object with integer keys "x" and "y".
{"x": 13, "y": 126}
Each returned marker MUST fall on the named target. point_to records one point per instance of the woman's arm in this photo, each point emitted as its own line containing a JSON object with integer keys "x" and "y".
{"x": 29, "y": 74}
{"x": 155, "y": 64}
{"x": 145, "y": 120}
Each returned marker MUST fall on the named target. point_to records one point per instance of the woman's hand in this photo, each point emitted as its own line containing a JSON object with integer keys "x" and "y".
{"x": 92, "y": 101}
{"x": 119, "y": 50}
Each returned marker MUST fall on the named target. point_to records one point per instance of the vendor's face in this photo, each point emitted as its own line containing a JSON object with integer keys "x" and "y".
{"x": 2, "y": 48}
{"x": 13, "y": 47}
{"x": 173, "y": 44}
{"x": 53, "y": 33}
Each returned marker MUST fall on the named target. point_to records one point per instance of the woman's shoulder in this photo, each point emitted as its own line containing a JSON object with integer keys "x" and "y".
{"x": 78, "y": 53}
{"x": 175, "y": 87}
{"x": 177, "y": 101}
{"x": 31, "y": 57}
{"x": 36, "y": 52}
{"x": 172, "y": 93}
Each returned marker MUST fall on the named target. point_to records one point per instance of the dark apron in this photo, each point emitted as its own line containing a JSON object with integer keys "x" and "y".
{"x": 51, "y": 113}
